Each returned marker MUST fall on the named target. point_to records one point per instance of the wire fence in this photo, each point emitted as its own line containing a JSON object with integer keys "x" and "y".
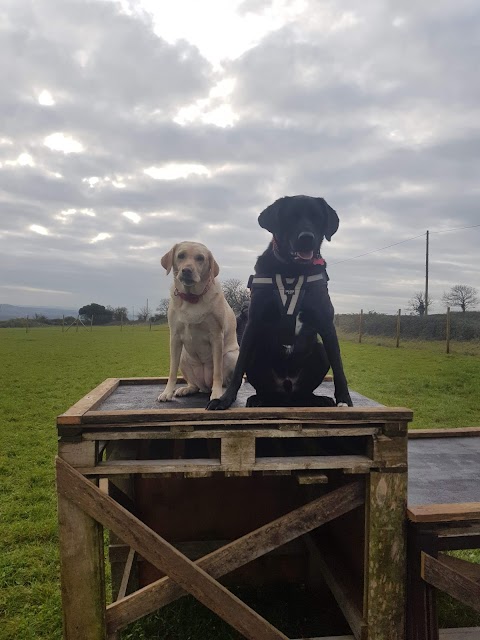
{"x": 437, "y": 327}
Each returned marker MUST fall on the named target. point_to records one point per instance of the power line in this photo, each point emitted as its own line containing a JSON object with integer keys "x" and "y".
{"x": 401, "y": 242}
{"x": 456, "y": 229}
{"x": 381, "y": 249}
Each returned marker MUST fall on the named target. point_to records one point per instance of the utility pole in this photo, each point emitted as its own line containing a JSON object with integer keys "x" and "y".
{"x": 426, "y": 274}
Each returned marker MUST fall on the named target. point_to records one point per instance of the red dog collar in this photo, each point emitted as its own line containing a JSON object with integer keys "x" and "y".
{"x": 193, "y": 298}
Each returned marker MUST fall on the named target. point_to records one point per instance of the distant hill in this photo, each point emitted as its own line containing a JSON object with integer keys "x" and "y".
{"x": 9, "y": 311}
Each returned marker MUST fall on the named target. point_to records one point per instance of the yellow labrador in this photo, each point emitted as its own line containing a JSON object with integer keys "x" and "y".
{"x": 203, "y": 339}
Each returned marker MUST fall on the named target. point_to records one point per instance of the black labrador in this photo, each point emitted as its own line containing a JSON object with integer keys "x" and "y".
{"x": 289, "y": 308}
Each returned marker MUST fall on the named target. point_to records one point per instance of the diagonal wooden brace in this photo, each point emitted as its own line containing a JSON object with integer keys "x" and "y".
{"x": 73, "y": 486}
{"x": 239, "y": 552}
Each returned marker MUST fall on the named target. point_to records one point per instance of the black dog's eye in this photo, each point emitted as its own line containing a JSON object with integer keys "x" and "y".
{"x": 200, "y": 258}
{"x": 181, "y": 256}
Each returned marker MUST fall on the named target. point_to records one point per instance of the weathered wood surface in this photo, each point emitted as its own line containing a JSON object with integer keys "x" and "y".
{"x": 82, "y": 574}
{"x": 444, "y": 512}
{"x": 340, "y": 584}
{"x": 239, "y": 552}
{"x": 325, "y": 415}
{"x": 74, "y": 415}
{"x": 265, "y": 429}
{"x": 358, "y": 464}
{"x": 469, "y": 569}
{"x": 417, "y": 434}
{"x": 126, "y": 574}
{"x": 446, "y": 576}
{"x": 73, "y": 486}
{"x": 465, "y": 633}
{"x": 385, "y": 564}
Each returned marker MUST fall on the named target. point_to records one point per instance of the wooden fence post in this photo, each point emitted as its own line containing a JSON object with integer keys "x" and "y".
{"x": 398, "y": 327}
{"x": 26, "y": 326}
{"x": 448, "y": 329}
{"x": 63, "y": 323}
{"x": 360, "y": 326}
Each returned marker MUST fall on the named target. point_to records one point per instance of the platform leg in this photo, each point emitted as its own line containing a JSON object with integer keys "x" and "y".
{"x": 385, "y": 555}
{"x": 422, "y": 619}
{"x": 82, "y": 572}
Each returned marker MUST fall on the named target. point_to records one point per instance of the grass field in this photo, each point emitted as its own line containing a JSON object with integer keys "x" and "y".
{"x": 45, "y": 371}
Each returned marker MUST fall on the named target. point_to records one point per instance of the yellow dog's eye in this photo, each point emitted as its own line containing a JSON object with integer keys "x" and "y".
{"x": 181, "y": 256}
{"x": 200, "y": 258}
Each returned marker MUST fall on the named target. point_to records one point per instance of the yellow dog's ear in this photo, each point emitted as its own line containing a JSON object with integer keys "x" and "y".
{"x": 214, "y": 268}
{"x": 167, "y": 260}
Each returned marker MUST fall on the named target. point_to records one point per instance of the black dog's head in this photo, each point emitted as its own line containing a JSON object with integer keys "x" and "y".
{"x": 299, "y": 224}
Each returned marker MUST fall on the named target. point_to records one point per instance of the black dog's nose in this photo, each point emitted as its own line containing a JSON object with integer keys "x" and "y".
{"x": 305, "y": 240}
{"x": 186, "y": 271}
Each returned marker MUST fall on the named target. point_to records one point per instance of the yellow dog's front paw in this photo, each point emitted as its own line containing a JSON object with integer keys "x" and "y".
{"x": 166, "y": 396}
{"x": 185, "y": 391}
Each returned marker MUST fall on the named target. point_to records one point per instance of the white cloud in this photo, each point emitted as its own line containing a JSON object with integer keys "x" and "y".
{"x": 45, "y": 98}
{"x": 174, "y": 171}
{"x": 132, "y": 216}
{"x": 23, "y": 160}
{"x": 37, "y": 228}
{"x": 61, "y": 142}
{"x": 100, "y": 237}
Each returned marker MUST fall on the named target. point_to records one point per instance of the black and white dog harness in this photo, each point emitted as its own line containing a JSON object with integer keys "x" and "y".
{"x": 290, "y": 293}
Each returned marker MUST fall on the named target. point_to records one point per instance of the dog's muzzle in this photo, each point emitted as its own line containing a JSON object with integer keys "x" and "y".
{"x": 305, "y": 246}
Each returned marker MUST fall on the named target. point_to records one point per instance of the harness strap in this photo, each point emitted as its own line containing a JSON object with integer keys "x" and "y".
{"x": 289, "y": 291}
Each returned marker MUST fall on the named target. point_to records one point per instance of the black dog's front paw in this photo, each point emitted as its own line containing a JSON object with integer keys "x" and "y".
{"x": 220, "y": 404}
{"x": 344, "y": 400}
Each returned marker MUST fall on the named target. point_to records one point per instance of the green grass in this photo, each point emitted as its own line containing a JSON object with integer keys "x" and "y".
{"x": 45, "y": 371}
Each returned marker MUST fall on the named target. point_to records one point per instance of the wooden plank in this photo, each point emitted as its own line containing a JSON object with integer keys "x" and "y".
{"x": 313, "y": 462}
{"x": 78, "y": 453}
{"x": 329, "y": 415}
{"x": 469, "y": 569}
{"x": 126, "y": 574}
{"x": 463, "y": 633}
{"x": 312, "y": 477}
{"x": 360, "y": 464}
{"x": 448, "y": 579}
{"x": 444, "y": 512}
{"x": 331, "y": 638}
{"x": 385, "y": 555}
{"x": 82, "y": 574}
{"x": 238, "y": 452}
{"x": 390, "y": 453}
{"x": 239, "y": 552}
{"x": 73, "y": 486}
{"x": 187, "y": 432}
{"x": 74, "y": 415}
{"x": 340, "y": 584}
{"x": 459, "y": 432}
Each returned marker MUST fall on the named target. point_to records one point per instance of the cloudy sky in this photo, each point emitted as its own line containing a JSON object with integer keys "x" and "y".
{"x": 128, "y": 126}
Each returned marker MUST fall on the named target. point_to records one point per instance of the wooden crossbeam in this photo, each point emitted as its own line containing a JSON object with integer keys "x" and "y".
{"x": 240, "y": 552}
{"x": 340, "y": 585}
{"x": 73, "y": 486}
{"x": 452, "y": 578}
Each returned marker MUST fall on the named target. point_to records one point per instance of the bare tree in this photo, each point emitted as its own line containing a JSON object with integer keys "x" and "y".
{"x": 235, "y": 293}
{"x": 461, "y": 295}
{"x": 120, "y": 313}
{"x": 142, "y": 314}
{"x": 416, "y": 304}
{"x": 163, "y": 307}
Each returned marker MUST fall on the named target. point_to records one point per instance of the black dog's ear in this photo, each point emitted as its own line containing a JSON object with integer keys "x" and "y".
{"x": 331, "y": 218}
{"x": 268, "y": 219}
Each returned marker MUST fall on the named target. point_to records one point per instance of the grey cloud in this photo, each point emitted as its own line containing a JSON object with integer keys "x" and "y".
{"x": 316, "y": 108}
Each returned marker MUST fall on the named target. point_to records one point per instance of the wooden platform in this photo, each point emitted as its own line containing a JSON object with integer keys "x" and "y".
{"x": 443, "y": 514}
{"x": 255, "y": 484}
